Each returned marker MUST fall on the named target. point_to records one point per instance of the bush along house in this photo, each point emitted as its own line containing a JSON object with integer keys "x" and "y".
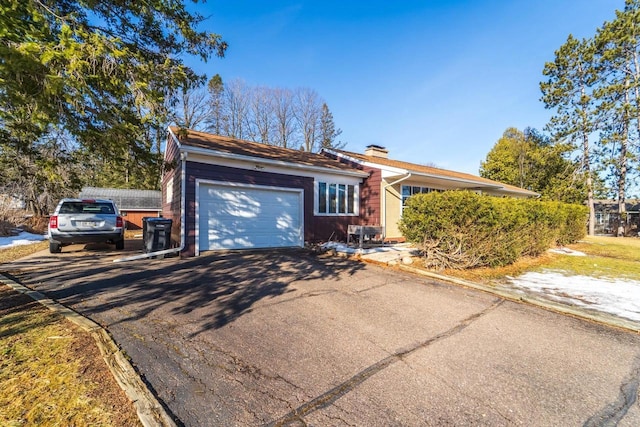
{"x": 223, "y": 193}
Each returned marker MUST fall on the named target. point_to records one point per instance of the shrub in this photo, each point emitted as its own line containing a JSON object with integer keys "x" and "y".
{"x": 6, "y": 228}
{"x": 462, "y": 229}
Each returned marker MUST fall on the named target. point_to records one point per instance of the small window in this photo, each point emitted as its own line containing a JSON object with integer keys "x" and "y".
{"x": 350, "y": 199}
{"x": 342, "y": 198}
{"x": 336, "y": 199}
{"x": 322, "y": 199}
{"x": 333, "y": 199}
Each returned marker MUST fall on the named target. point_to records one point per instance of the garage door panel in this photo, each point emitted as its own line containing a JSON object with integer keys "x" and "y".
{"x": 233, "y": 217}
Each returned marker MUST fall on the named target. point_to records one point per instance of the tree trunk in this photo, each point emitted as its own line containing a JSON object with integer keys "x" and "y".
{"x": 586, "y": 165}
{"x": 624, "y": 147}
{"x": 587, "y": 169}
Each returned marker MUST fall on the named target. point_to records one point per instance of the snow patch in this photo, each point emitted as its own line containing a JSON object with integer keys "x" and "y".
{"x": 618, "y": 297}
{"x": 567, "y": 251}
{"x": 23, "y": 238}
{"x": 343, "y": 248}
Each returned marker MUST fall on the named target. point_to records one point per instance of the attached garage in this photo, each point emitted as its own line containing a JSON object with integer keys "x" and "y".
{"x": 244, "y": 216}
{"x": 227, "y": 194}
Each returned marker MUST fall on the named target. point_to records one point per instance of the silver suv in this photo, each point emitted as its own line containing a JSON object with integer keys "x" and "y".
{"x": 85, "y": 221}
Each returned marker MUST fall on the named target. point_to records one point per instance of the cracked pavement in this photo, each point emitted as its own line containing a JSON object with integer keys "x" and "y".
{"x": 287, "y": 338}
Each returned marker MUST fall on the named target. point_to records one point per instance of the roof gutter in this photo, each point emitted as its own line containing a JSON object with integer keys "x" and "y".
{"x": 183, "y": 204}
{"x": 384, "y": 198}
{"x": 480, "y": 185}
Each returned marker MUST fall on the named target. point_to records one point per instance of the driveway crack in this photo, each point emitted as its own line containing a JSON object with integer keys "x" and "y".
{"x": 374, "y": 287}
{"x": 329, "y": 397}
{"x": 613, "y": 413}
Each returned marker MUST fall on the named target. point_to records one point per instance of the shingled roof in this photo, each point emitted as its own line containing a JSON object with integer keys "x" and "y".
{"x": 126, "y": 199}
{"x": 239, "y": 147}
{"x": 434, "y": 172}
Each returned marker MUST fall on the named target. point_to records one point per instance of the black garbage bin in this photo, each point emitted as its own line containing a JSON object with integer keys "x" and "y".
{"x": 156, "y": 234}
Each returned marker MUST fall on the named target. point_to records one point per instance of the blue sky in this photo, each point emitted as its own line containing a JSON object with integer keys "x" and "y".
{"x": 436, "y": 82}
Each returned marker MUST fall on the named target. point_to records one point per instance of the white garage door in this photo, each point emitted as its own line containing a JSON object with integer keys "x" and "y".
{"x": 245, "y": 217}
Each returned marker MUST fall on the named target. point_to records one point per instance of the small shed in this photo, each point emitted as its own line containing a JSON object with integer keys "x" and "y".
{"x": 134, "y": 204}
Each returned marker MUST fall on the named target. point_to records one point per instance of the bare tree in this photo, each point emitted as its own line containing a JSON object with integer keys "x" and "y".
{"x": 262, "y": 115}
{"x": 307, "y": 112}
{"x": 285, "y": 124}
{"x": 236, "y": 109}
{"x": 287, "y": 118}
{"x": 195, "y": 108}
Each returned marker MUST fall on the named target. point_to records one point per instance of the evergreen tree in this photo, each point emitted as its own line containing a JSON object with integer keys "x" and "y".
{"x": 328, "y": 130}
{"x": 618, "y": 65}
{"x": 215, "y": 121}
{"x": 99, "y": 72}
{"x": 569, "y": 91}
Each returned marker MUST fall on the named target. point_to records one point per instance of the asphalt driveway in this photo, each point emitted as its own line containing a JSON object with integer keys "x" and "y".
{"x": 289, "y": 338}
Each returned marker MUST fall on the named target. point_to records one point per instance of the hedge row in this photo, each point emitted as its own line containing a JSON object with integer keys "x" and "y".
{"x": 462, "y": 229}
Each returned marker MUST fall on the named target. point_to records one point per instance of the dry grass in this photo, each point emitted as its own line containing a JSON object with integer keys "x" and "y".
{"x": 614, "y": 257}
{"x": 132, "y": 234}
{"x": 487, "y": 274}
{"x": 16, "y": 252}
{"x": 51, "y": 372}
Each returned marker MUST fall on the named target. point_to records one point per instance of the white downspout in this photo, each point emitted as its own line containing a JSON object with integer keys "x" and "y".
{"x": 183, "y": 204}
{"x": 384, "y": 199}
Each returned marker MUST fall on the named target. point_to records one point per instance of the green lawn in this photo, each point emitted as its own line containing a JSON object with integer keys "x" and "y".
{"x": 613, "y": 257}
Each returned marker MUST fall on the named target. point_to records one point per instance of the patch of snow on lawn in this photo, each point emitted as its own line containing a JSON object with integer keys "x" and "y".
{"x": 23, "y": 238}
{"x": 567, "y": 251}
{"x": 614, "y": 296}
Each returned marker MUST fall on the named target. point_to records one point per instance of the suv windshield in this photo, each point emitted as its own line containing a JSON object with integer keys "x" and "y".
{"x": 86, "y": 207}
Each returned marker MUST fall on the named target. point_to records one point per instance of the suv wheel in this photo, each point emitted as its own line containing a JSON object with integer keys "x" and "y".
{"x": 120, "y": 244}
{"x": 55, "y": 248}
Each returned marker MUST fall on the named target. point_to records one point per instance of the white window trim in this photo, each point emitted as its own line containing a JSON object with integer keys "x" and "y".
{"x": 316, "y": 197}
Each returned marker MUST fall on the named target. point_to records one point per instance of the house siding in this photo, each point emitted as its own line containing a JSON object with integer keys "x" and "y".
{"x": 331, "y": 228}
{"x": 370, "y": 197}
{"x": 171, "y": 206}
{"x": 370, "y": 202}
{"x": 316, "y": 228}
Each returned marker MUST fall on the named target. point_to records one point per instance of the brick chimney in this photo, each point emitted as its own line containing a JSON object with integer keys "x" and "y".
{"x": 376, "y": 151}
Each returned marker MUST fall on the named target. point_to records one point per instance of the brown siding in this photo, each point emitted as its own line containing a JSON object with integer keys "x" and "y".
{"x": 370, "y": 208}
{"x": 316, "y": 228}
{"x": 332, "y": 228}
{"x": 370, "y": 197}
